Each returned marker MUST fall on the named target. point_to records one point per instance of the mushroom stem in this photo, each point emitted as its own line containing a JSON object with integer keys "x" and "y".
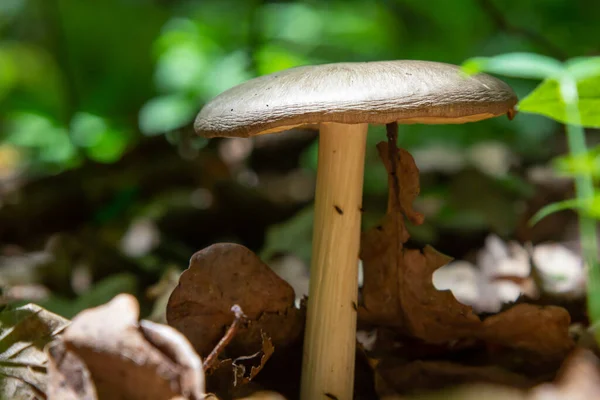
{"x": 330, "y": 338}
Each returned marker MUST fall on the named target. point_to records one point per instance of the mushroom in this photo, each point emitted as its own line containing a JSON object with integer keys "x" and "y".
{"x": 342, "y": 100}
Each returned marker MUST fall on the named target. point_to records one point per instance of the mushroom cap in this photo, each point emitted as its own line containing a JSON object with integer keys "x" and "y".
{"x": 379, "y": 92}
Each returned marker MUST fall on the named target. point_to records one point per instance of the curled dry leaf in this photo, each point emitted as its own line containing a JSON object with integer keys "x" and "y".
{"x": 398, "y": 291}
{"x": 175, "y": 346}
{"x": 543, "y": 330}
{"x": 106, "y": 354}
{"x": 241, "y": 377}
{"x": 230, "y": 378}
{"x": 225, "y": 274}
{"x": 24, "y": 331}
{"x": 69, "y": 377}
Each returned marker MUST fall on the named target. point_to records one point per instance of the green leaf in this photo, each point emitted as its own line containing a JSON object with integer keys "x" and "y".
{"x": 181, "y": 68}
{"x": 110, "y": 147}
{"x": 519, "y": 65}
{"x": 230, "y": 70}
{"x": 101, "y": 142}
{"x": 583, "y": 67}
{"x": 38, "y": 132}
{"x": 166, "y": 113}
{"x": 585, "y": 163}
{"x": 86, "y": 129}
{"x": 555, "y": 207}
{"x": 60, "y": 150}
{"x": 27, "y": 129}
{"x": 592, "y": 207}
{"x": 24, "y": 331}
{"x": 546, "y": 100}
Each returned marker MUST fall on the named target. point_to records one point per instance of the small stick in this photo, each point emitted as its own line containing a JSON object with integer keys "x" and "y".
{"x": 227, "y": 338}
{"x": 392, "y": 135}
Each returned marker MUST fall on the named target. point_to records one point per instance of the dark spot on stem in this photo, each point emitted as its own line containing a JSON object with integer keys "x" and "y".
{"x": 361, "y": 209}
{"x": 331, "y": 396}
{"x": 379, "y": 228}
{"x": 354, "y": 306}
{"x": 338, "y": 209}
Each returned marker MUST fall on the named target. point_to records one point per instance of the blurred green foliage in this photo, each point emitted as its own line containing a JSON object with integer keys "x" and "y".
{"x": 86, "y": 80}
{"x": 570, "y": 93}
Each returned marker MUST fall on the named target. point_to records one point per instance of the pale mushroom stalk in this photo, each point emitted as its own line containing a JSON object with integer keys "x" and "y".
{"x": 342, "y": 99}
{"x": 329, "y": 345}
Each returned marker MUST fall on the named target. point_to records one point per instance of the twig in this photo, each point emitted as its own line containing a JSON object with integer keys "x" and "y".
{"x": 495, "y": 14}
{"x": 392, "y": 136}
{"x": 398, "y": 218}
{"x": 227, "y": 338}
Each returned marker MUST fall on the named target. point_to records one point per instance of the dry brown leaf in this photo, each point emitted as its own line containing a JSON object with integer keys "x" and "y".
{"x": 381, "y": 247}
{"x": 230, "y": 378}
{"x": 542, "y": 330}
{"x": 225, "y": 274}
{"x": 398, "y": 289}
{"x": 430, "y": 314}
{"x": 241, "y": 378}
{"x": 175, "y": 346}
{"x": 69, "y": 377}
{"x": 398, "y": 377}
{"x": 288, "y": 326}
{"x": 24, "y": 331}
{"x": 106, "y": 347}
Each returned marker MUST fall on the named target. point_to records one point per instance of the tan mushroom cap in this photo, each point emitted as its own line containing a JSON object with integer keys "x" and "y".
{"x": 370, "y": 92}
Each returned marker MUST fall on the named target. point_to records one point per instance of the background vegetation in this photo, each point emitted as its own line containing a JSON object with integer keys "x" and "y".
{"x": 104, "y": 188}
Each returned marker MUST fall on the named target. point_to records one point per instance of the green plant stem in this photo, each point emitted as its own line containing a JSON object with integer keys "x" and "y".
{"x": 584, "y": 187}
